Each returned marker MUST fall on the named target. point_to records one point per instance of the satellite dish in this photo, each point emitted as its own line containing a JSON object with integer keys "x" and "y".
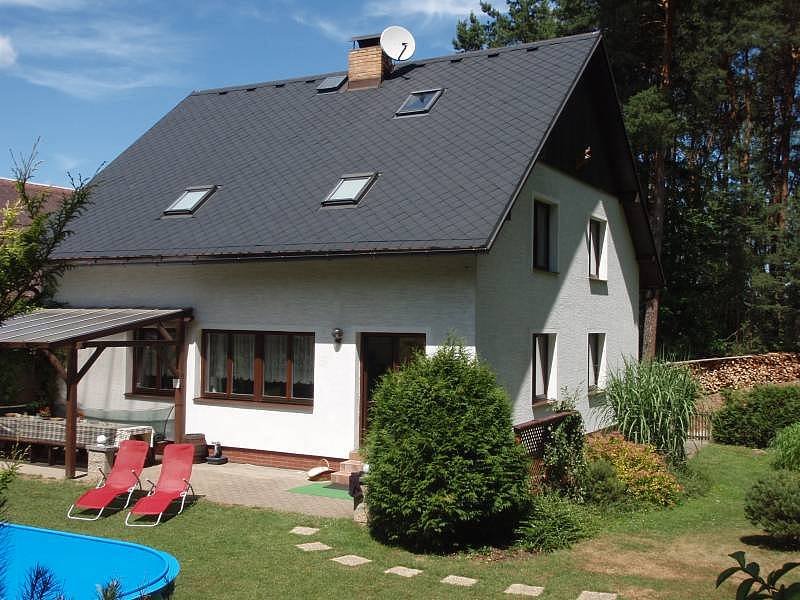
{"x": 398, "y": 43}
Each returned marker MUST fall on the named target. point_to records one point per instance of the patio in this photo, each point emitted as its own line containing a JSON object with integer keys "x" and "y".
{"x": 239, "y": 484}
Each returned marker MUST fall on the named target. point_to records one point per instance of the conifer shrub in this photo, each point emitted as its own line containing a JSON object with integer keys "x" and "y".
{"x": 773, "y": 503}
{"x": 639, "y": 467}
{"x": 445, "y": 471}
{"x": 753, "y": 418}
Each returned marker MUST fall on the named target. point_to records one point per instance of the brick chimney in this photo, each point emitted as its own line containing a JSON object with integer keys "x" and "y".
{"x": 367, "y": 65}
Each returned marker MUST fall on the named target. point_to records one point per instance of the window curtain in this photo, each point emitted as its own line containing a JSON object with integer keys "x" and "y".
{"x": 215, "y": 360}
{"x": 244, "y": 347}
{"x": 303, "y": 359}
{"x": 275, "y": 357}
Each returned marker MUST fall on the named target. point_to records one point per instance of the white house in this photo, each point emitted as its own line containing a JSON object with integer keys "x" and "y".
{"x": 322, "y": 228}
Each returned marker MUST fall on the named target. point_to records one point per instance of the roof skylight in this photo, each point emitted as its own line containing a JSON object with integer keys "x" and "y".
{"x": 350, "y": 189}
{"x": 331, "y": 84}
{"x": 190, "y": 200}
{"x": 419, "y": 102}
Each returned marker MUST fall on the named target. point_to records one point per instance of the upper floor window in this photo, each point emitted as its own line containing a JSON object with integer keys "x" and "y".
{"x": 190, "y": 200}
{"x": 419, "y": 102}
{"x": 597, "y": 343}
{"x": 259, "y": 366}
{"x": 544, "y": 236}
{"x": 151, "y": 364}
{"x": 597, "y": 230}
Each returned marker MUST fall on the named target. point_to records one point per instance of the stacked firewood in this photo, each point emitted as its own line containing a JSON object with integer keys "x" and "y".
{"x": 739, "y": 372}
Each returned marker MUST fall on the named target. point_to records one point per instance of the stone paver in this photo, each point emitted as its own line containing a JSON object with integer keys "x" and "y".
{"x": 351, "y": 560}
{"x": 241, "y": 484}
{"x": 403, "y": 571}
{"x": 597, "y": 596}
{"x": 458, "y": 580}
{"x": 313, "y": 547}
{"x": 299, "y": 530}
{"x": 520, "y": 589}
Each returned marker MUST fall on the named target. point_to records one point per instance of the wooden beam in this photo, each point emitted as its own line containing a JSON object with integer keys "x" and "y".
{"x": 164, "y": 333}
{"x": 71, "y": 442}
{"x": 128, "y": 344}
{"x": 88, "y": 364}
{"x": 53, "y": 359}
{"x": 180, "y": 391}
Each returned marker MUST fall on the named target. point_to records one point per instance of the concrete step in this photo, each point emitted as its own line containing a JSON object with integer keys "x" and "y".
{"x": 351, "y": 466}
{"x": 355, "y": 455}
{"x": 340, "y": 479}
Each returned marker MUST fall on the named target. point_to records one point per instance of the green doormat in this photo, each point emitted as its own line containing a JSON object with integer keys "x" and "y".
{"x": 322, "y": 488}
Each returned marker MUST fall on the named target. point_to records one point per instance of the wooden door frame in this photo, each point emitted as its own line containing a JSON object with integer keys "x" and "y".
{"x": 363, "y": 391}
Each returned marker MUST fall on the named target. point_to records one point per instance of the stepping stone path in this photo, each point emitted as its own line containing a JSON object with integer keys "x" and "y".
{"x": 520, "y": 589}
{"x": 351, "y": 560}
{"x": 313, "y": 547}
{"x": 403, "y": 571}
{"x": 304, "y": 530}
{"x": 458, "y": 580}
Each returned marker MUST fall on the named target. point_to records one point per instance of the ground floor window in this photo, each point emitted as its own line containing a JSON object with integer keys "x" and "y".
{"x": 543, "y": 355}
{"x": 596, "y": 349}
{"x": 260, "y": 366}
{"x": 151, "y": 364}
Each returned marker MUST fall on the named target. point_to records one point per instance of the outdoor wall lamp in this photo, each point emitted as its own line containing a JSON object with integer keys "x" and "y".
{"x": 337, "y": 334}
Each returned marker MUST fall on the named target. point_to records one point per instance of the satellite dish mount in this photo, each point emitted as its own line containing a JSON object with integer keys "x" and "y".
{"x": 398, "y": 43}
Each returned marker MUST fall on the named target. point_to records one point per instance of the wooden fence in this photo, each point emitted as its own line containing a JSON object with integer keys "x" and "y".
{"x": 700, "y": 426}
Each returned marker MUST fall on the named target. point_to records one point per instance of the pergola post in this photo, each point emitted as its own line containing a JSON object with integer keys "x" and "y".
{"x": 71, "y": 437}
{"x": 180, "y": 390}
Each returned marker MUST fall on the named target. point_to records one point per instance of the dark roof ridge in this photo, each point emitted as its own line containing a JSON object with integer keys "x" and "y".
{"x": 422, "y": 61}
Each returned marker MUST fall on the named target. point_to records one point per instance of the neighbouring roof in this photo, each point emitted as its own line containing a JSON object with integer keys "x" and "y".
{"x": 51, "y": 327}
{"x": 276, "y": 150}
{"x": 8, "y": 194}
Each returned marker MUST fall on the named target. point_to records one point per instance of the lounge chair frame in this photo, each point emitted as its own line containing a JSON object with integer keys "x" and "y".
{"x": 100, "y": 484}
{"x": 186, "y": 491}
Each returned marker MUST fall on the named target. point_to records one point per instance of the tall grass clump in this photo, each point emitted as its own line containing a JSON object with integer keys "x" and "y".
{"x": 785, "y": 448}
{"x": 652, "y": 402}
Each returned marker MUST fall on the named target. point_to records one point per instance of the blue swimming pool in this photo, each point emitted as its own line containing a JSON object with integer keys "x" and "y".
{"x": 81, "y": 562}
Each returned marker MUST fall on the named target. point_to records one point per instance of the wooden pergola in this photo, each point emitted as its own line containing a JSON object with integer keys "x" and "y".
{"x": 71, "y": 329}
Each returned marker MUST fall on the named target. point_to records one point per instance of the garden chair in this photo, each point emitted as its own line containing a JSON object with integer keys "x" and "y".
{"x": 123, "y": 479}
{"x": 173, "y": 484}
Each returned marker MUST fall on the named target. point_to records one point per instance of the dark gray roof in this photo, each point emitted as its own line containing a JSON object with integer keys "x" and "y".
{"x": 58, "y": 326}
{"x": 277, "y": 149}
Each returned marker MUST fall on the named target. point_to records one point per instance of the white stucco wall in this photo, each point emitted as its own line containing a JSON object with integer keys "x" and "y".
{"x": 433, "y": 295}
{"x": 515, "y": 301}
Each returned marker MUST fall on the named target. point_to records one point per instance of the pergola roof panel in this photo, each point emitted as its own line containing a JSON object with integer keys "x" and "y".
{"x": 61, "y": 326}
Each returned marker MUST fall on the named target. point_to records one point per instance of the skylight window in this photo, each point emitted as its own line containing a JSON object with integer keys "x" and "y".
{"x": 190, "y": 200}
{"x": 419, "y": 103}
{"x": 331, "y": 84}
{"x": 350, "y": 189}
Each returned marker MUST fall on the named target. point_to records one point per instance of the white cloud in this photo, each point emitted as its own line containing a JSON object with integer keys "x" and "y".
{"x": 93, "y": 83}
{"x": 426, "y": 8}
{"x": 8, "y": 56}
{"x": 328, "y": 28}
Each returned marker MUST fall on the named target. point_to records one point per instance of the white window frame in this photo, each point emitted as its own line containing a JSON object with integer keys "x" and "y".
{"x": 600, "y": 265}
{"x": 552, "y": 246}
{"x": 551, "y": 390}
{"x": 596, "y": 383}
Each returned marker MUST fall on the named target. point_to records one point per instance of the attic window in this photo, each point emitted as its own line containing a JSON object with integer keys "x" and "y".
{"x": 190, "y": 200}
{"x": 350, "y": 189}
{"x": 419, "y": 102}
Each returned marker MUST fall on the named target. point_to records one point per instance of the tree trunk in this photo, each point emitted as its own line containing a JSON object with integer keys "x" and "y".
{"x": 657, "y": 202}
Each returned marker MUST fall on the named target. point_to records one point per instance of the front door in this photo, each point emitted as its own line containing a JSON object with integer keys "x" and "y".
{"x": 381, "y": 352}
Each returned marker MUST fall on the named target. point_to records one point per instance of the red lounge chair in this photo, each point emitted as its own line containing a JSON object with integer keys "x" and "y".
{"x": 123, "y": 479}
{"x": 173, "y": 484}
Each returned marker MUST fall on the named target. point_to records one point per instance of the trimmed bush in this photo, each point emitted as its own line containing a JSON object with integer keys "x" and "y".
{"x": 773, "y": 503}
{"x": 643, "y": 471}
{"x": 445, "y": 470}
{"x": 602, "y": 487}
{"x": 652, "y": 402}
{"x": 554, "y": 523}
{"x": 753, "y": 418}
{"x": 786, "y": 448}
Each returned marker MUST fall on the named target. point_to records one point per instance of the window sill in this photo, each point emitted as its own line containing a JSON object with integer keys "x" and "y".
{"x": 162, "y": 396}
{"x": 545, "y": 271}
{"x": 245, "y": 403}
{"x": 595, "y": 391}
{"x": 598, "y": 279}
{"x": 541, "y": 402}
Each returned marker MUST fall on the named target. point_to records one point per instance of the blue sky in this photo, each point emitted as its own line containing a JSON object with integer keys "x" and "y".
{"x": 88, "y": 77}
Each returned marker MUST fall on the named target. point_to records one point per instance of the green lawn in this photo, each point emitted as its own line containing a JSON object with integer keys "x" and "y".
{"x": 232, "y": 552}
